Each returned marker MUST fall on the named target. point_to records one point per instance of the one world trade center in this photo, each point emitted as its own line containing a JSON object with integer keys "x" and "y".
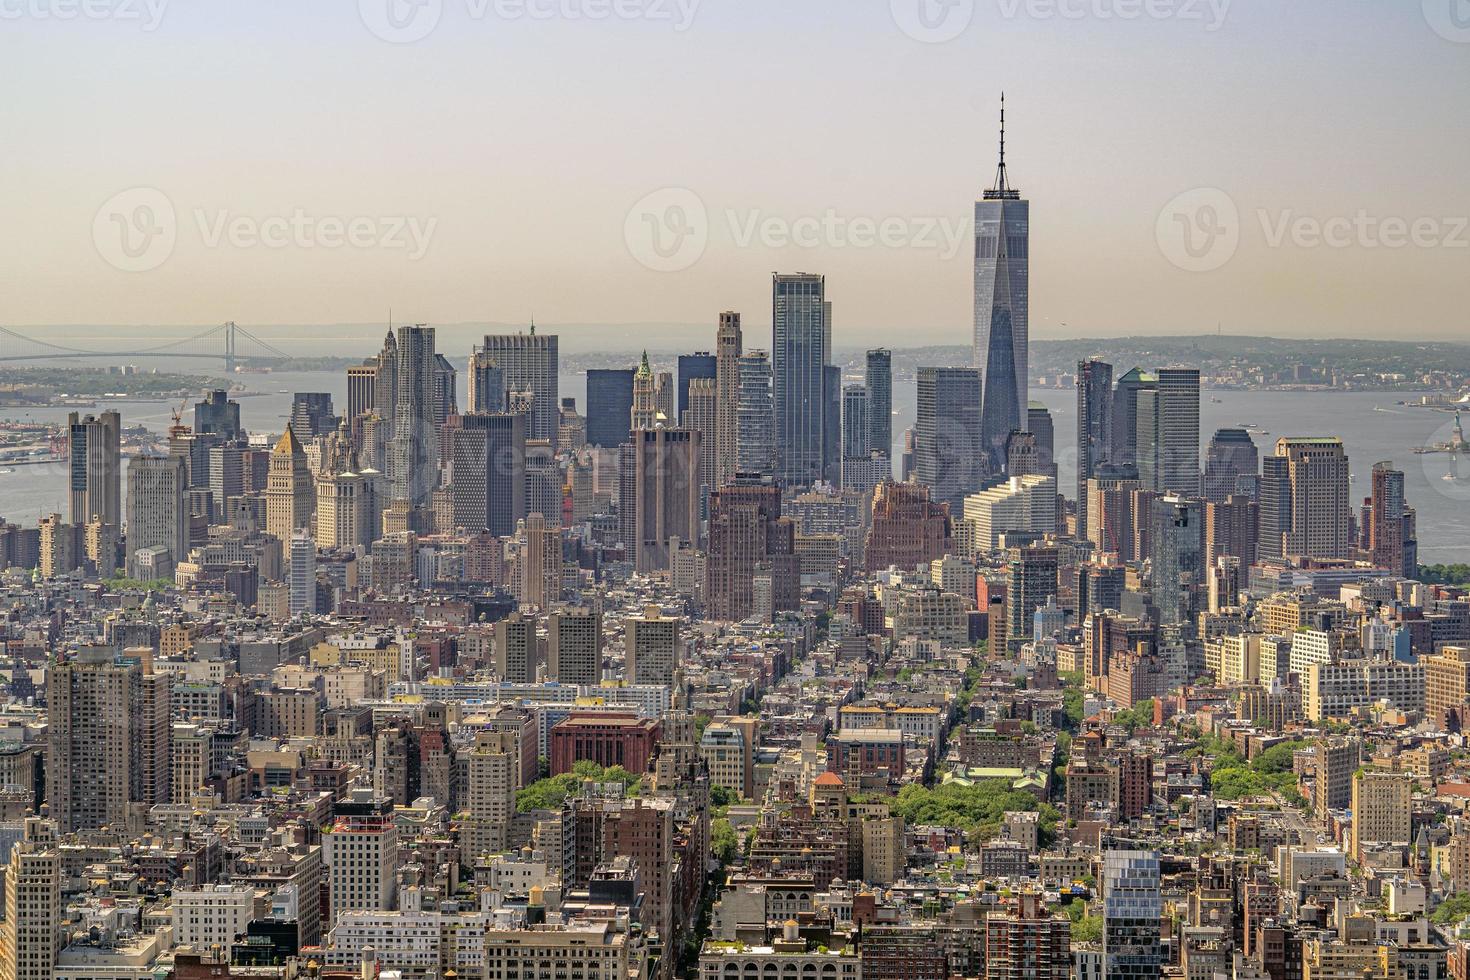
{"x": 1002, "y": 235}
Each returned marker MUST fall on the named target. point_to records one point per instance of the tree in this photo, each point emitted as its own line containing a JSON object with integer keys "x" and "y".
{"x": 721, "y": 796}
{"x": 1452, "y": 910}
{"x": 724, "y": 843}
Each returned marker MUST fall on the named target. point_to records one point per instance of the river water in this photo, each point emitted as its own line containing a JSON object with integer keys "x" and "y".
{"x": 1372, "y": 425}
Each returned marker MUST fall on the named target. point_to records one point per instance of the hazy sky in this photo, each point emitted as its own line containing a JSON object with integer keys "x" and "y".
{"x": 507, "y": 163}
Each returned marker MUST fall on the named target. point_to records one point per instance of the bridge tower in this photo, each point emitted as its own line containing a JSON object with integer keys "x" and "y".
{"x": 230, "y": 348}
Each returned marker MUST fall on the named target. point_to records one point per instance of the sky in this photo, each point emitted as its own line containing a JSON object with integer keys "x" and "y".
{"x": 1258, "y": 166}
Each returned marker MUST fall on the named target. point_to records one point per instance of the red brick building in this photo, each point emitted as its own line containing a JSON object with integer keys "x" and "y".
{"x": 607, "y": 739}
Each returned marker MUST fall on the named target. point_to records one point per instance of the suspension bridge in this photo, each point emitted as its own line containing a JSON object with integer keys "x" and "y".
{"x": 228, "y": 342}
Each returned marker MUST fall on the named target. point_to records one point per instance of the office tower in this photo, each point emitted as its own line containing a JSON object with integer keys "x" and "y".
{"x": 862, "y": 475}
{"x": 702, "y": 416}
{"x": 1231, "y": 529}
{"x": 609, "y": 406}
{"x": 495, "y": 446}
{"x": 61, "y": 546}
{"x": 362, "y": 389}
{"x": 1094, "y": 428}
{"x": 108, "y": 740}
{"x": 486, "y": 383}
{"x": 360, "y": 850}
{"x": 1024, "y": 941}
{"x": 1304, "y": 499}
{"x": 345, "y": 507}
{"x": 878, "y": 379}
{"x": 855, "y": 422}
{"x": 645, "y": 413}
{"x": 1388, "y": 542}
{"x": 385, "y": 386}
{"x": 908, "y": 528}
{"x": 529, "y": 365}
{"x": 574, "y": 645}
{"x": 413, "y": 452}
{"x": 94, "y": 452}
{"x": 303, "y": 574}
{"x": 1232, "y": 465}
{"x": 664, "y": 396}
{"x": 1178, "y": 555}
{"x": 1168, "y": 433}
{"x": 516, "y": 654}
{"x": 31, "y": 933}
{"x": 651, "y": 647}
{"x": 1039, "y": 426}
{"x": 1337, "y": 760}
{"x": 747, "y": 535}
{"x": 1131, "y": 915}
{"x": 1382, "y": 809}
{"x": 541, "y": 562}
{"x": 665, "y": 493}
{"x": 226, "y": 473}
{"x": 1227, "y": 578}
{"x": 1033, "y": 581}
{"x": 543, "y": 482}
{"x": 1447, "y": 687}
{"x": 1025, "y": 504}
{"x": 158, "y": 512}
{"x": 700, "y": 365}
{"x": 1125, "y": 415}
{"x": 801, "y": 341}
{"x": 729, "y": 346}
{"x": 311, "y": 415}
{"x": 755, "y": 418}
{"x": 949, "y": 456}
{"x": 288, "y": 489}
{"x": 445, "y": 390}
{"x": 1023, "y": 456}
{"x": 217, "y": 415}
{"x": 832, "y": 424}
{"x": 1002, "y": 236}
{"x": 489, "y": 795}
{"x": 1110, "y": 515}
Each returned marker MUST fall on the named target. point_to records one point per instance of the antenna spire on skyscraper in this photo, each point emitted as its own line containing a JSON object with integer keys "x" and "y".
{"x": 1002, "y": 188}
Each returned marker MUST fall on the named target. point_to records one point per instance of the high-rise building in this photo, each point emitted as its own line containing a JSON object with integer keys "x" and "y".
{"x": 1125, "y": 415}
{"x": 502, "y": 437}
{"x": 218, "y": 416}
{"x": 609, "y": 406}
{"x": 1025, "y": 504}
{"x": 1178, "y": 557}
{"x": 1040, "y": 427}
{"x": 908, "y": 527}
{"x": 362, "y": 389}
{"x": 1132, "y": 910}
{"x": 311, "y": 415}
{"x": 1232, "y": 465}
{"x": 855, "y": 422}
{"x": 729, "y": 346}
{"x": 516, "y": 654}
{"x": 691, "y": 367}
{"x": 31, "y": 933}
{"x": 574, "y": 645}
{"x": 1231, "y": 530}
{"x": 1033, "y": 581}
{"x": 541, "y": 562}
{"x": 289, "y": 493}
{"x": 413, "y": 451}
{"x": 1002, "y": 305}
{"x": 1337, "y": 760}
{"x": 666, "y": 493}
{"x": 755, "y": 418}
{"x": 702, "y": 416}
{"x": 529, "y": 365}
{"x": 109, "y": 729}
{"x": 1024, "y": 941}
{"x": 878, "y": 379}
{"x": 1389, "y": 540}
{"x": 486, "y": 387}
{"x": 385, "y": 387}
{"x": 801, "y": 344}
{"x": 302, "y": 574}
{"x": 646, "y": 413}
{"x": 949, "y": 457}
{"x": 94, "y": 451}
{"x": 747, "y": 535}
{"x": 1382, "y": 808}
{"x": 360, "y": 851}
{"x": 1304, "y": 499}
{"x": 1168, "y": 433}
{"x": 158, "y": 510}
{"x": 489, "y": 795}
{"x": 651, "y": 647}
{"x": 1094, "y": 428}
{"x": 1447, "y": 687}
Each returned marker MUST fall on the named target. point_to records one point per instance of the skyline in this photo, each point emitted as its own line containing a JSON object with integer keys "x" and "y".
{"x": 641, "y": 126}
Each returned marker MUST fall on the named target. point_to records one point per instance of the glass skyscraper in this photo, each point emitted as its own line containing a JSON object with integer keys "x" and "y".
{"x": 1131, "y": 911}
{"x": 801, "y": 344}
{"x": 609, "y": 406}
{"x": 1002, "y": 238}
{"x": 879, "y": 382}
